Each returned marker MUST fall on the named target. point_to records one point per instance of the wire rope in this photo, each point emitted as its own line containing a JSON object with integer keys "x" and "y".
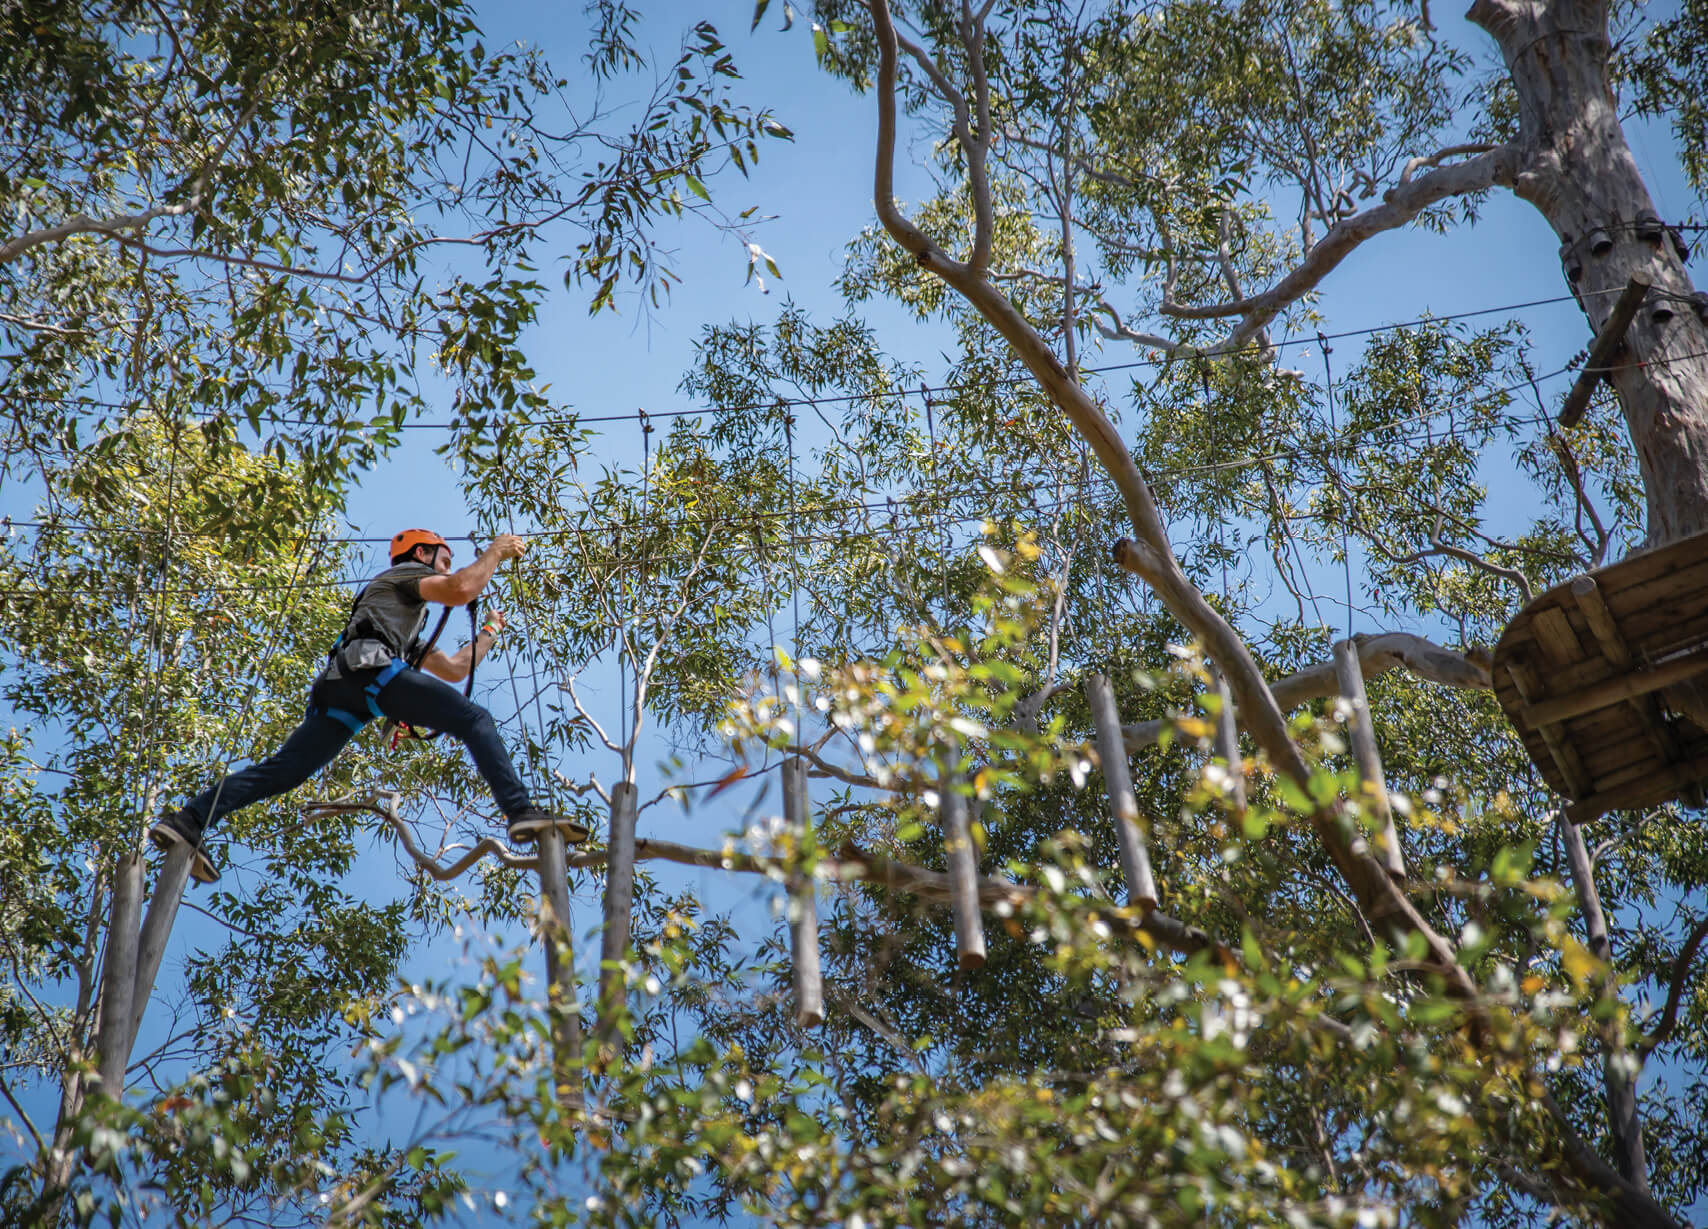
{"x": 889, "y": 501}
{"x": 840, "y": 398}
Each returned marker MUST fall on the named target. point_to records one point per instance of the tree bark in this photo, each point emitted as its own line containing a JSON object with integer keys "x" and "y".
{"x": 1576, "y": 168}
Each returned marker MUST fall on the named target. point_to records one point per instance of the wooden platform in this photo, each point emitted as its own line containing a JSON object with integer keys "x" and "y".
{"x": 1582, "y": 674}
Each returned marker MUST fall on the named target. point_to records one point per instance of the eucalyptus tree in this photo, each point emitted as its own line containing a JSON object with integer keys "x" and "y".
{"x": 272, "y": 215}
{"x": 230, "y": 240}
{"x": 142, "y": 650}
{"x": 1185, "y": 177}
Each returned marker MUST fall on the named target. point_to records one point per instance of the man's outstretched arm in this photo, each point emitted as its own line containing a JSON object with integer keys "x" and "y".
{"x": 464, "y": 585}
{"x": 454, "y": 667}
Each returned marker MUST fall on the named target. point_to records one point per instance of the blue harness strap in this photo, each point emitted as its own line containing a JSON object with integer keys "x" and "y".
{"x": 371, "y": 692}
{"x": 397, "y": 667}
{"x": 348, "y": 719}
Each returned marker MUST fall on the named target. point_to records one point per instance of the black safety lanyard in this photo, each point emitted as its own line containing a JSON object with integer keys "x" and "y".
{"x": 415, "y": 660}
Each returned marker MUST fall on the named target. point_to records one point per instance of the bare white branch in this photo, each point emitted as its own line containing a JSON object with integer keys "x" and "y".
{"x": 385, "y": 803}
{"x": 82, "y": 224}
{"x": 1377, "y": 655}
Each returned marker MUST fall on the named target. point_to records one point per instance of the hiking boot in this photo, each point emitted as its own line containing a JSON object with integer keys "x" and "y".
{"x": 180, "y": 828}
{"x": 529, "y": 822}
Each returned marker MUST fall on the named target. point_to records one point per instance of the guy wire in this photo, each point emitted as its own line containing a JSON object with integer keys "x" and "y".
{"x": 1334, "y": 433}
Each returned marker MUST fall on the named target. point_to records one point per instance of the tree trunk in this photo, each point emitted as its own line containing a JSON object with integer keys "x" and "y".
{"x": 1576, "y": 167}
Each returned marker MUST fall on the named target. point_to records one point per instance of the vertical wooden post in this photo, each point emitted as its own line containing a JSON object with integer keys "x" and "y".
{"x": 803, "y": 902}
{"x": 962, "y": 856}
{"x": 1227, "y": 740}
{"x": 156, "y": 930}
{"x": 118, "y": 973}
{"x": 619, "y": 908}
{"x": 1349, "y": 677}
{"x": 1112, "y": 754}
{"x": 561, "y": 1003}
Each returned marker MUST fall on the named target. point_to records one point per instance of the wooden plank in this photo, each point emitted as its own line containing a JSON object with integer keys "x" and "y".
{"x": 1602, "y": 756}
{"x": 1633, "y": 745}
{"x": 1649, "y": 606}
{"x": 1601, "y": 623}
{"x": 803, "y": 902}
{"x": 1349, "y": 677}
{"x": 1560, "y": 644}
{"x": 1618, "y": 689}
{"x": 619, "y": 912}
{"x": 1654, "y": 575}
{"x": 1665, "y": 576}
{"x": 1565, "y": 758}
{"x": 1661, "y": 627}
{"x": 1112, "y": 756}
{"x": 1591, "y": 671}
{"x": 1606, "y": 726}
{"x": 1604, "y": 349}
{"x": 1634, "y": 771}
{"x": 962, "y": 858}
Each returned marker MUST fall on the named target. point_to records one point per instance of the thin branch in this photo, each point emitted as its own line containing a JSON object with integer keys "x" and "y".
{"x": 1511, "y": 575}
{"x": 1675, "y": 991}
{"x": 114, "y": 227}
{"x": 643, "y": 673}
{"x": 581, "y": 711}
{"x": 978, "y": 175}
{"x": 1081, "y": 165}
{"x": 896, "y": 1041}
{"x": 83, "y": 224}
{"x": 384, "y": 804}
{"x": 900, "y": 227}
{"x": 831, "y": 770}
{"x": 582, "y": 789}
{"x": 40, "y": 326}
{"x": 1401, "y": 204}
{"x": 1614, "y": 842}
{"x": 6, "y": 1091}
{"x": 1436, "y": 159}
{"x": 1118, "y": 330}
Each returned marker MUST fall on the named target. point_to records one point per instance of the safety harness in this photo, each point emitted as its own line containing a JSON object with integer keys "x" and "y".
{"x": 402, "y": 729}
{"x": 396, "y": 666}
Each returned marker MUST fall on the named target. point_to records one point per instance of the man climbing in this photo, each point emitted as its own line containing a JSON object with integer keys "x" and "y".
{"x": 379, "y": 668}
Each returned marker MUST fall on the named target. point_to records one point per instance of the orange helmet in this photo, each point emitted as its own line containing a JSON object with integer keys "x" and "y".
{"x": 409, "y": 539}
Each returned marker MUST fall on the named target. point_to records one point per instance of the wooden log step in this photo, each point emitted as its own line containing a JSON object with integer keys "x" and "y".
{"x": 1660, "y": 629}
{"x": 1605, "y": 628}
{"x": 807, "y": 977}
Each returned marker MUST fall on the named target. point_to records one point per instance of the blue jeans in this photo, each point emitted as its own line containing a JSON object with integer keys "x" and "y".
{"x": 412, "y": 697}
